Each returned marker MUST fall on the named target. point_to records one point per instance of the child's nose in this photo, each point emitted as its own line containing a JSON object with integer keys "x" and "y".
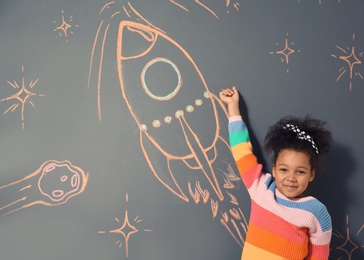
{"x": 291, "y": 177}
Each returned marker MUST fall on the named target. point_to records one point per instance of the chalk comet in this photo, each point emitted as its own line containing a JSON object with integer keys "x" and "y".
{"x": 52, "y": 184}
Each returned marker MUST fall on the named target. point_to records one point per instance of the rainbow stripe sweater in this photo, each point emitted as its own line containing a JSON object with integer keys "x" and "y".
{"x": 279, "y": 228}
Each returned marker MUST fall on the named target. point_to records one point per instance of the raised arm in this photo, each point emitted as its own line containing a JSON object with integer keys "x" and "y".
{"x": 240, "y": 144}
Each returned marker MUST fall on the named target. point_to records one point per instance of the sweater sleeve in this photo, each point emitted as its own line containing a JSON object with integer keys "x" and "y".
{"x": 320, "y": 237}
{"x": 242, "y": 151}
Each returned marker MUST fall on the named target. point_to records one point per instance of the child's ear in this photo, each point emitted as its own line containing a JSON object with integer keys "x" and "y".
{"x": 274, "y": 170}
{"x": 313, "y": 172}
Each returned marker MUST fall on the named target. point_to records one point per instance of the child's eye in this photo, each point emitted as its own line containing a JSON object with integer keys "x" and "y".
{"x": 283, "y": 169}
{"x": 301, "y": 172}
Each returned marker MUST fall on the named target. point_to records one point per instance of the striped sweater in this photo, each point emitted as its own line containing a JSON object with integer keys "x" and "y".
{"x": 279, "y": 227}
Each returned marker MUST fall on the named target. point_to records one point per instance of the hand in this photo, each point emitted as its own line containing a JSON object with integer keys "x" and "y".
{"x": 229, "y": 95}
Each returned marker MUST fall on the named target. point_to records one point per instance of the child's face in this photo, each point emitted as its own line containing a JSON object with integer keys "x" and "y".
{"x": 292, "y": 172}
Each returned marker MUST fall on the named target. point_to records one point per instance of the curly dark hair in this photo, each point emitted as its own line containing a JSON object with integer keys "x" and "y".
{"x": 280, "y": 137}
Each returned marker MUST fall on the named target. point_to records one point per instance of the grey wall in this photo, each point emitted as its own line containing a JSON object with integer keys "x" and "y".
{"x": 87, "y": 172}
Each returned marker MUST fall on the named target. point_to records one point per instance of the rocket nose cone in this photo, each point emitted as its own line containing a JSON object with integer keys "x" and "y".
{"x": 134, "y": 39}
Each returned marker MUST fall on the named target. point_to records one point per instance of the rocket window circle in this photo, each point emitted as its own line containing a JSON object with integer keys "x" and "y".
{"x": 148, "y": 89}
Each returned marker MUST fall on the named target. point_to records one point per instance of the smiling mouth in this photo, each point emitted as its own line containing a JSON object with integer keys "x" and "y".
{"x": 290, "y": 187}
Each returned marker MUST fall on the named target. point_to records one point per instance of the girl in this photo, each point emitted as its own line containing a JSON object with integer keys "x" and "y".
{"x": 283, "y": 224}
